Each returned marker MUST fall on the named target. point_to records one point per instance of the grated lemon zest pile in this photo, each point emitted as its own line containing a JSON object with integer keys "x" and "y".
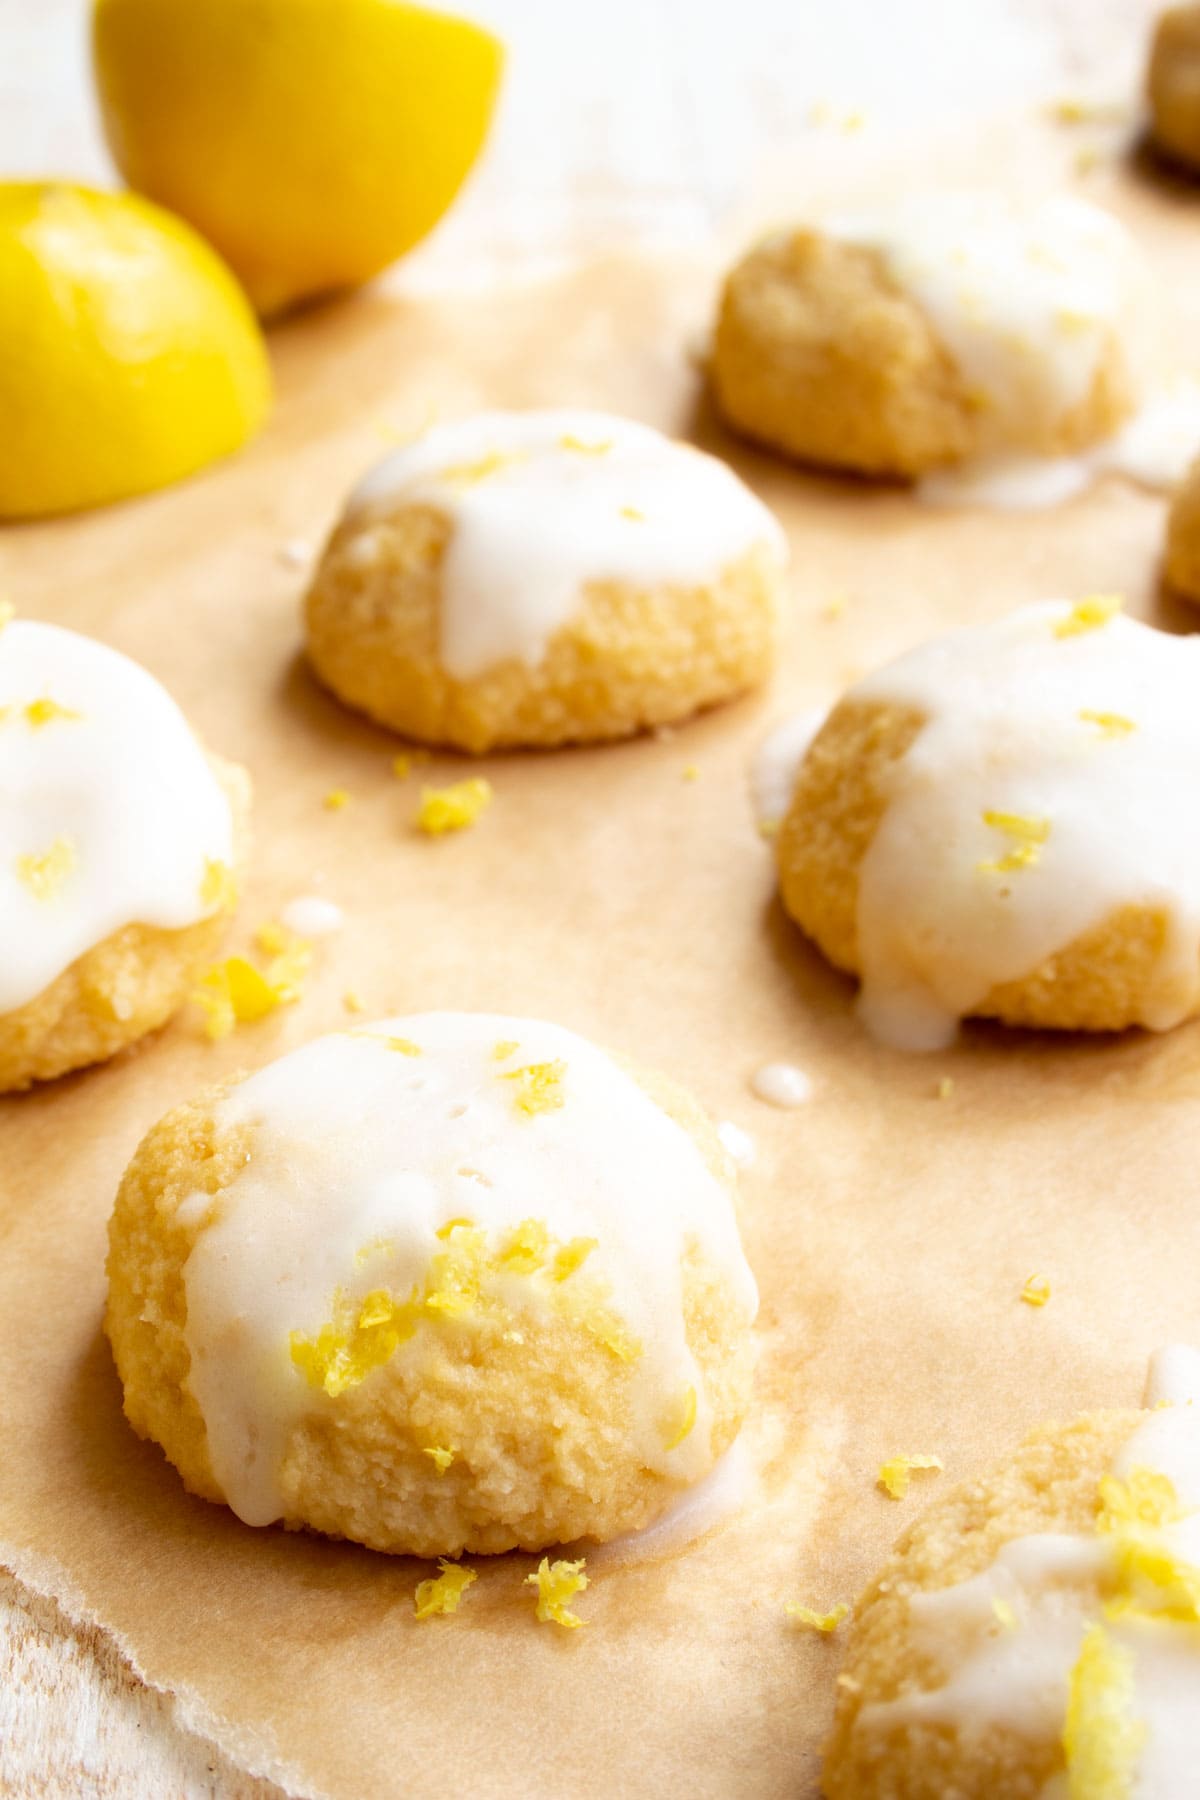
{"x": 469, "y": 474}
{"x": 601, "y": 448}
{"x": 804, "y": 1615}
{"x": 1111, "y": 724}
{"x": 46, "y": 711}
{"x": 237, "y": 992}
{"x": 539, "y": 1086}
{"x": 44, "y": 872}
{"x": 8, "y": 613}
{"x": 1153, "y": 1580}
{"x": 1028, "y": 836}
{"x": 1101, "y": 1739}
{"x": 556, "y": 1583}
{"x": 440, "y": 1458}
{"x": 442, "y": 1593}
{"x": 1144, "y": 1497}
{"x": 504, "y": 1049}
{"x": 895, "y": 1474}
{"x": 362, "y": 1336}
{"x": 1036, "y": 1291}
{"x": 1089, "y": 615}
{"x": 680, "y": 1425}
{"x": 453, "y": 808}
{"x": 336, "y": 799}
{"x": 218, "y": 886}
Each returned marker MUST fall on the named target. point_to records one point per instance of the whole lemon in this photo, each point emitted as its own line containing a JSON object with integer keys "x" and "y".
{"x": 312, "y": 141}
{"x": 129, "y": 356}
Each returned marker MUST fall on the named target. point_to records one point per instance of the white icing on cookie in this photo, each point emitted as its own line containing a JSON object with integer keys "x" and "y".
{"x": 544, "y": 503}
{"x": 358, "y": 1144}
{"x": 110, "y": 813}
{"x": 1009, "y": 1638}
{"x": 1026, "y": 298}
{"x": 1046, "y": 790}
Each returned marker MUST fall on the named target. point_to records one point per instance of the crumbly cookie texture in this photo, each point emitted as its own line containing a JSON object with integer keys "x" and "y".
{"x": 1050, "y": 1484}
{"x": 482, "y": 1363}
{"x": 970, "y": 830}
{"x": 539, "y": 579}
{"x": 1173, "y": 85}
{"x": 1182, "y": 561}
{"x": 876, "y": 350}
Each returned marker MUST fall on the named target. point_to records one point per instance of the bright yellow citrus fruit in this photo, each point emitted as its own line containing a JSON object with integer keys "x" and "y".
{"x": 129, "y": 356}
{"x": 312, "y": 141}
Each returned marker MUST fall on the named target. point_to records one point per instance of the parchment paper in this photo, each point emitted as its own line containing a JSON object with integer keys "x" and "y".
{"x": 890, "y": 1230}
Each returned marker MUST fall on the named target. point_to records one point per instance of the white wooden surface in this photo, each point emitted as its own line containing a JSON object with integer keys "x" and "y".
{"x": 632, "y": 121}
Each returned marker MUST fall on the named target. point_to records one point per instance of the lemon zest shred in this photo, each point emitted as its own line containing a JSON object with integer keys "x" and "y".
{"x": 539, "y": 1086}
{"x": 336, "y": 799}
{"x": 1111, "y": 724}
{"x": 1004, "y": 1613}
{"x": 895, "y": 1474}
{"x": 524, "y": 1249}
{"x": 1027, "y": 834}
{"x": 453, "y": 1225}
{"x": 218, "y": 886}
{"x": 635, "y": 513}
{"x": 815, "y": 1621}
{"x": 44, "y": 872}
{"x": 568, "y": 441}
{"x": 572, "y": 1256}
{"x": 1037, "y": 1290}
{"x": 944, "y": 1088}
{"x": 46, "y": 712}
{"x": 453, "y": 808}
{"x": 691, "y": 772}
{"x": 504, "y": 1049}
{"x": 469, "y": 474}
{"x": 1089, "y": 615}
{"x": 442, "y": 1593}
{"x": 353, "y": 1001}
{"x": 405, "y": 761}
{"x": 678, "y": 1427}
{"x": 556, "y": 1583}
{"x": 440, "y": 1458}
{"x": 237, "y": 992}
{"x": 1101, "y": 1739}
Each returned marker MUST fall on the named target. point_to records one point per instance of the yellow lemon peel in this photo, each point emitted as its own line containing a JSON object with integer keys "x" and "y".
{"x": 815, "y": 1621}
{"x": 556, "y": 1583}
{"x": 1036, "y": 1291}
{"x": 1111, "y": 724}
{"x": 539, "y": 1087}
{"x": 48, "y": 712}
{"x": 218, "y": 886}
{"x": 681, "y": 1422}
{"x": 44, "y": 872}
{"x": 525, "y": 1247}
{"x": 441, "y": 1459}
{"x": 442, "y": 1593}
{"x": 895, "y": 1474}
{"x": 1089, "y": 615}
{"x": 453, "y": 808}
{"x": 237, "y": 992}
{"x": 571, "y": 1256}
{"x": 1027, "y": 834}
{"x": 1101, "y": 1739}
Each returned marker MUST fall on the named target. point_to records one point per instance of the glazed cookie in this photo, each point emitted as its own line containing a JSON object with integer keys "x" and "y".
{"x": 1036, "y": 1630}
{"x": 990, "y": 826}
{"x": 958, "y": 327}
{"x": 1182, "y": 564}
{"x": 1173, "y": 85}
{"x": 545, "y": 578}
{"x": 450, "y": 1282}
{"x": 118, "y": 851}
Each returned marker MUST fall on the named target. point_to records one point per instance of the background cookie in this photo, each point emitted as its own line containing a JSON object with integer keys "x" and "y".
{"x": 119, "y": 842}
{"x": 987, "y": 827}
{"x": 1173, "y": 84}
{"x": 958, "y": 326}
{"x": 543, "y": 578}
{"x": 489, "y": 1286}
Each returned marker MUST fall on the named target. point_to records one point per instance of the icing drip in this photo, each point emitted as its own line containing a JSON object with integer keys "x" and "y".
{"x": 1010, "y": 1638}
{"x": 544, "y": 503}
{"x": 110, "y": 814}
{"x": 777, "y": 762}
{"x": 366, "y": 1145}
{"x": 1043, "y": 794}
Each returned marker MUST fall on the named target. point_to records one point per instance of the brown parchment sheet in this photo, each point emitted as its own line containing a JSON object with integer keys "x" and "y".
{"x": 890, "y": 1230}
